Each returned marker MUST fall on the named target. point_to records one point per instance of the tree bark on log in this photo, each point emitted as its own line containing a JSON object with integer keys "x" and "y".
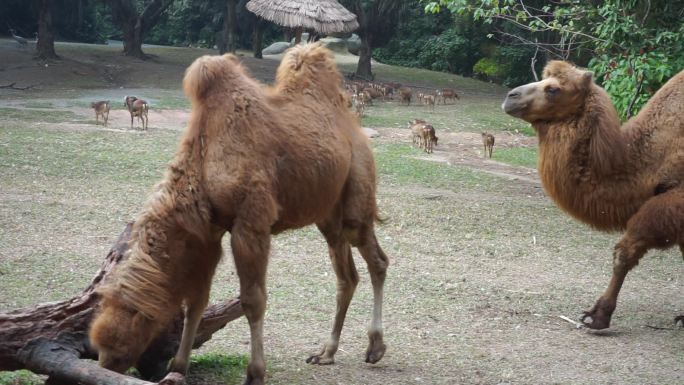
{"x": 51, "y": 338}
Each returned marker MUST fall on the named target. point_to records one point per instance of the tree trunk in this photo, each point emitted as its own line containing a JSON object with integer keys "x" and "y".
{"x": 228, "y": 34}
{"x": 298, "y": 35}
{"x": 132, "y": 38}
{"x": 363, "y": 69}
{"x": 135, "y": 26}
{"x": 232, "y": 25}
{"x": 51, "y": 338}
{"x": 45, "y": 47}
{"x": 258, "y": 38}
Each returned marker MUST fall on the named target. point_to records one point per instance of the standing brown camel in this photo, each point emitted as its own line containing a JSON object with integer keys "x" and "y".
{"x": 613, "y": 177}
{"x": 254, "y": 161}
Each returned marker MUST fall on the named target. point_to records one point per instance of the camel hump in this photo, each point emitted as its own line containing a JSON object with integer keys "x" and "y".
{"x": 306, "y": 64}
{"x": 205, "y": 72}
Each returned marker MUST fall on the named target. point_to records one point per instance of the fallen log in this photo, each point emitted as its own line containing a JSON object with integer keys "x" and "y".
{"x": 52, "y": 338}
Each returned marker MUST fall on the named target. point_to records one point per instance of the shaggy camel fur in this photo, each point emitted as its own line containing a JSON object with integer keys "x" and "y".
{"x": 613, "y": 177}
{"x": 254, "y": 161}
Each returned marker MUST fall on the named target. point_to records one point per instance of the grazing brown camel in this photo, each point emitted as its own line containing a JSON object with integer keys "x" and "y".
{"x": 253, "y": 161}
{"x": 613, "y": 177}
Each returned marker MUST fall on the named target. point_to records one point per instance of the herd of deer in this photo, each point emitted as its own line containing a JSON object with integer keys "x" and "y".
{"x": 363, "y": 93}
{"x": 136, "y": 107}
{"x": 423, "y": 133}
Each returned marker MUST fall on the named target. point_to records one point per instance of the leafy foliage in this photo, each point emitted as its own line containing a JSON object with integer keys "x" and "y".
{"x": 633, "y": 46}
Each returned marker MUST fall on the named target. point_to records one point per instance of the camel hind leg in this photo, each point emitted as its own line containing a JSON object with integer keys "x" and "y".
{"x": 347, "y": 279}
{"x": 359, "y": 216}
{"x": 659, "y": 224}
{"x": 377, "y": 263}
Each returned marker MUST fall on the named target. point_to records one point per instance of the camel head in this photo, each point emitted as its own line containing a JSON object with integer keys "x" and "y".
{"x": 559, "y": 95}
{"x": 120, "y": 334}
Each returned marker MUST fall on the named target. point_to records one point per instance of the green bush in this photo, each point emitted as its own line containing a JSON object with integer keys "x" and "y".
{"x": 488, "y": 69}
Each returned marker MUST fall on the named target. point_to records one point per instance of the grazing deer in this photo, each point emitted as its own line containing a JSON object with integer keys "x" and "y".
{"x": 488, "y": 142}
{"x": 387, "y": 92}
{"x": 447, "y": 93}
{"x": 405, "y": 96}
{"x": 366, "y": 98}
{"x": 429, "y": 100}
{"x": 101, "y": 108}
{"x": 373, "y": 92}
{"x": 416, "y": 127}
{"x": 359, "y": 106}
{"x": 429, "y": 138}
{"x": 137, "y": 107}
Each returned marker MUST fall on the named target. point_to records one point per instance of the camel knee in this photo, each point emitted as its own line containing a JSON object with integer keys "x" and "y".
{"x": 627, "y": 254}
{"x": 253, "y": 301}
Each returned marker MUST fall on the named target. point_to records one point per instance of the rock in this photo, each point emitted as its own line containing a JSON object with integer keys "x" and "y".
{"x": 371, "y": 133}
{"x": 276, "y": 48}
{"x": 334, "y": 44}
{"x": 354, "y": 44}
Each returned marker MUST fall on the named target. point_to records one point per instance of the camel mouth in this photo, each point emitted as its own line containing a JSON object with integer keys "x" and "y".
{"x": 513, "y": 108}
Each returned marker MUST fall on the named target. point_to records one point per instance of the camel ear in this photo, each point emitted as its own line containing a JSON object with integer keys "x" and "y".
{"x": 587, "y": 79}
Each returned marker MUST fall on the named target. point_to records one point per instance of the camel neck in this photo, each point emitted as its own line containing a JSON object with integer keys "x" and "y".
{"x": 587, "y": 167}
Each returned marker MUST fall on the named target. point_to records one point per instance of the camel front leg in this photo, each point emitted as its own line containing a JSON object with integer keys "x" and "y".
{"x": 659, "y": 223}
{"x": 250, "y": 251}
{"x": 193, "y": 316}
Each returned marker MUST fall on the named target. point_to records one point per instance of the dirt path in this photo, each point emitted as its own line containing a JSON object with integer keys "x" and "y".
{"x": 465, "y": 149}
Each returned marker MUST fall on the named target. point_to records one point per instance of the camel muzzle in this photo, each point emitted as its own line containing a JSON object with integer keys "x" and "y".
{"x": 515, "y": 101}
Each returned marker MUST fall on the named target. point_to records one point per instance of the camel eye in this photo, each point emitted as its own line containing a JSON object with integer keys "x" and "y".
{"x": 551, "y": 91}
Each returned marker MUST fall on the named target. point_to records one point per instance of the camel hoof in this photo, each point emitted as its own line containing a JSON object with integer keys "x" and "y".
{"x": 593, "y": 321}
{"x": 679, "y": 321}
{"x": 253, "y": 381}
{"x": 320, "y": 359}
{"x": 376, "y": 350}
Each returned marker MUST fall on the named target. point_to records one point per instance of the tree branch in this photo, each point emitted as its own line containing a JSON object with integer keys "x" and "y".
{"x": 13, "y": 87}
{"x": 636, "y": 95}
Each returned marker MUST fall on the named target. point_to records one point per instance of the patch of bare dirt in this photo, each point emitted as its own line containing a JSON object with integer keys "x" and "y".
{"x": 466, "y": 149}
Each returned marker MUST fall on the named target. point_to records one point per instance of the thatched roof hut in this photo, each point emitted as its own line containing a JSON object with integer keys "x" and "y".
{"x": 323, "y": 16}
